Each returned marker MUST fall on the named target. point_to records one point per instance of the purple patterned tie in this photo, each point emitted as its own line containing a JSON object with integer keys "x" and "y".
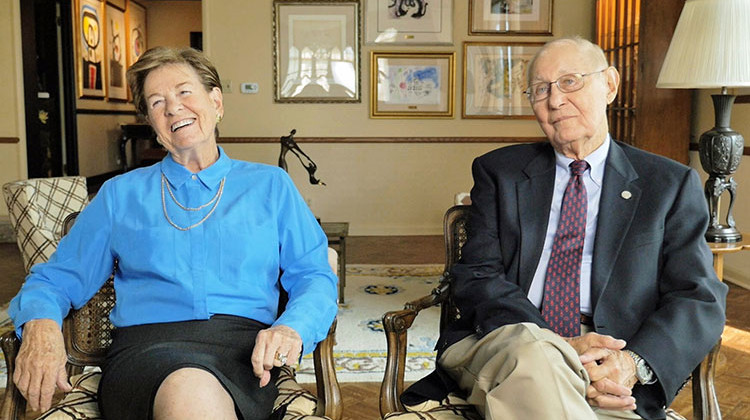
{"x": 561, "y": 307}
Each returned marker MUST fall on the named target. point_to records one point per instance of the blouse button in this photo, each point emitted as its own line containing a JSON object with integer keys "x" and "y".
{"x": 194, "y": 177}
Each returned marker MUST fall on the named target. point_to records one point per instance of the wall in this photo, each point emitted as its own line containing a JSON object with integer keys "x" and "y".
{"x": 383, "y": 188}
{"x": 12, "y": 152}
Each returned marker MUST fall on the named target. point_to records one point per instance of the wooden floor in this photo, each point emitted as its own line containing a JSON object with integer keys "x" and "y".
{"x": 361, "y": 399}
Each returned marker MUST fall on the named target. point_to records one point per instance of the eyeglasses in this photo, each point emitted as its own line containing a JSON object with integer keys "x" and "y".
{"x": 566, "y": 83}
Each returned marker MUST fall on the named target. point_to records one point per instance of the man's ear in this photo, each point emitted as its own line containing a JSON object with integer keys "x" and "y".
{"x": 613, "y": 83}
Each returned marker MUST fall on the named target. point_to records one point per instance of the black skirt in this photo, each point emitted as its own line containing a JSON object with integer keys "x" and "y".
{"x": 142, "y": 356}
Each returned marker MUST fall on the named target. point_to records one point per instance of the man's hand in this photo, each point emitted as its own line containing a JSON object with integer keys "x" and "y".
{"x": 40, "y": 364}
{"x": 277, "y": 340}
{"x": 611, "y": 371}
{"x": 612, "y": 374}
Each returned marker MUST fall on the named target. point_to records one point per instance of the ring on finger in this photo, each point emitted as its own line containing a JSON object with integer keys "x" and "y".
{"x": 281, "y": 358}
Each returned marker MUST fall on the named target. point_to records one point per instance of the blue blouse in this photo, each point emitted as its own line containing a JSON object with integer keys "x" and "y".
{"x": 228, "y": 264}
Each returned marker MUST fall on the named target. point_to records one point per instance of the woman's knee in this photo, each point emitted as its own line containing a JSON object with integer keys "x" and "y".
{"x": 193, "y": 393}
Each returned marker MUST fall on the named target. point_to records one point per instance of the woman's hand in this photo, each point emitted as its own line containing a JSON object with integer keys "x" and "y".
{"x": 275, "y": 346}
{"x": 40, "y": 364}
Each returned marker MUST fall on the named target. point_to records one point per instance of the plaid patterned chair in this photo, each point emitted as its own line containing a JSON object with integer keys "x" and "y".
{"x": 37, "y": 208}
{"x": 396, "y": 325}
{"x": 87, "y": 336}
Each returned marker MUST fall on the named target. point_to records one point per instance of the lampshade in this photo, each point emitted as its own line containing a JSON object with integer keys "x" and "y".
{"x": 710, "y": 47}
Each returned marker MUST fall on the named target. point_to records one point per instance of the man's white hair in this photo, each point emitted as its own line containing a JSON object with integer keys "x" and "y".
{"x": 584, "y": 45}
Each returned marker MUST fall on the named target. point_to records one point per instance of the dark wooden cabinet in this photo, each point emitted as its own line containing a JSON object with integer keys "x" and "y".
{"x": 635, "y": 35}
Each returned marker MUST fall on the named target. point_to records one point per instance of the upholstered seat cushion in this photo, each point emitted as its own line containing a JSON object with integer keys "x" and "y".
{"x": 451, "y": 408}
{"x": 81, "y": 402}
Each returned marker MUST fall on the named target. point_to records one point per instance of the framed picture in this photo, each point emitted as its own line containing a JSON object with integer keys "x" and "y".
{"x": 136, "y": 39}
{"x": 316, "y": 45}
{"x": 409, "y": 22}
{"x": 493, "y": 17}
{"x": 494, "y": 79}
{"x": 116, "y": 66}
{"x": 89, "y": 16}
{"x": 412, "y": 84}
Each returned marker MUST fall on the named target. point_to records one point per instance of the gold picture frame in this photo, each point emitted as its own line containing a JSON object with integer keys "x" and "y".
{"x": 510, "y": 17}
{"x": 316, "y": 47}
{"x": 89, "y": 48}
{"x": 495, "y": 78}
{"x": 412, "y": 84}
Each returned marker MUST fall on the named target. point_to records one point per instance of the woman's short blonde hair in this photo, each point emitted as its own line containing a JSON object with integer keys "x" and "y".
{"x": 160, "y": 56}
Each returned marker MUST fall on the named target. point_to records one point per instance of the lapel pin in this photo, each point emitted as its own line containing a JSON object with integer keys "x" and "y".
{"x": 626, "y": 194}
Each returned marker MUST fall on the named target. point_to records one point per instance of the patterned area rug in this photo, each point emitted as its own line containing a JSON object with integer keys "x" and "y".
{"x": 360, "y": 349}
{"x": 372, "y": 290}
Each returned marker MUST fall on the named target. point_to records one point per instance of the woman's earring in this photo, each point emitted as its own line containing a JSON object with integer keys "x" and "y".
{"x": 218, "y": 118}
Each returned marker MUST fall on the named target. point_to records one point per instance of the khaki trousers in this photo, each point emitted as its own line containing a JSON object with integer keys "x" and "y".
{"x": 521, "y": 371}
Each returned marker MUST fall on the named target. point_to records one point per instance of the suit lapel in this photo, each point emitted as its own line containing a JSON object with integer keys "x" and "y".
{"x": 618, "y": 203}
{"x": 534, "y": 202}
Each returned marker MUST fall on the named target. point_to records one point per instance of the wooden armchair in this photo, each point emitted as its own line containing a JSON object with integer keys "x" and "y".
{"x": 87, "y": 337}
{"x": 397, "y": 323}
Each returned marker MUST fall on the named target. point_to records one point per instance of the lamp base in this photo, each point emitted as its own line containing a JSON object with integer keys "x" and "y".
{"x": 723, "y": 233}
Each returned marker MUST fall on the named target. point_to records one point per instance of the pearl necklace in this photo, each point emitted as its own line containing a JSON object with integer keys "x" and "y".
{"x": 214, "y": 200}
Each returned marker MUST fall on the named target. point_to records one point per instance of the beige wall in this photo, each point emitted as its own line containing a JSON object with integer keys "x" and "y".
{"x": 380, "y": 189}
{"x": 169, "y": 23}
{"x": 12, "y": 155}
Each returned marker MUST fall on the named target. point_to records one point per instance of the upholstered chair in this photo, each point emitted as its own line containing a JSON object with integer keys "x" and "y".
{"x": 37, "y": 208}
{"x": 397, "y": 323}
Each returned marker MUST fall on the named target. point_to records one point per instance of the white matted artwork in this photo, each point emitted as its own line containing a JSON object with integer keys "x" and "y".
{"x": 115, "y": 34}
{"x": 409, "y": 22}
{"x": 317, "y": 51}
{"x": 495, "y": 78}
{"x": 497, "y": 17}
{"x": 411, "y": 85}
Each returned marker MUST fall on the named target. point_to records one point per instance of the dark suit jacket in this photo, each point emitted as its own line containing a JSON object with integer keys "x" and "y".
{"x": 653, "y": 282}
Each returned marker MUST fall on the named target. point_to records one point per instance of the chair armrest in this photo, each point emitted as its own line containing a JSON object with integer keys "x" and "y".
{"x": 330, "y": 403}
{"x": 13, "y": 404}
{"x": 396, "y": 325}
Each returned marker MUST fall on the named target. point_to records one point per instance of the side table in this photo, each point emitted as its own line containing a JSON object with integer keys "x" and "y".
{"x": 704, "y": 374}
{"x": 337, "y": 233}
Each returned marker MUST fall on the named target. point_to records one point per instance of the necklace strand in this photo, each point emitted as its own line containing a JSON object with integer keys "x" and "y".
{"x": 214, "y": 200}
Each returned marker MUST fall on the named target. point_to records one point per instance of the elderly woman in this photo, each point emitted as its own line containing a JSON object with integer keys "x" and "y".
{"x": 200, "y": 241}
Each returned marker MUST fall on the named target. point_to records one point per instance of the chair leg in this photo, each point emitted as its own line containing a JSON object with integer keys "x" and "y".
{"x": 330, "y": 402}
{"x": 13, "y": 404}
{"x": 705, "y": 403}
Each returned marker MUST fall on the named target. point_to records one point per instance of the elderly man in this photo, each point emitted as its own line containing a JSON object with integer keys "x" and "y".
{"x": 586, "y": 288}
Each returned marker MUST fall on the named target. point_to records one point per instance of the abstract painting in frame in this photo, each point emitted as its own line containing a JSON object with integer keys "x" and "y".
{"x": 116, "y": 66}
{"x": 495, "y": 17}
{"x": 316, "y": 45}
{"x": 495, "y": 78}
{"x": 412, "y": 84}
{"x": 136, "y": 39}
{"x": 89, "y": 18}
{"x": 409, "y": 22}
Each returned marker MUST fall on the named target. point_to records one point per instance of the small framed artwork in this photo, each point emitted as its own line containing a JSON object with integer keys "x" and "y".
{"x": 495, "y": 78}
{"x": 136, "y": 39}
{"x": 316, "y": 46}
{"x": 497, "y": 17}
{"x": 412, "y": 84}
{"x": 409, "y": 22}
{"x": 90, "y": 48}
{"x": 116, "y": 66}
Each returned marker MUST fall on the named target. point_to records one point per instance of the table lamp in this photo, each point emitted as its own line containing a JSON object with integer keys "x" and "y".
{"x": 710, "y": 48}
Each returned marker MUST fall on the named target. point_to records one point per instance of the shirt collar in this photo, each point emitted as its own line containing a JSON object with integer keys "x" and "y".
{"x": 210, "y": 176}
{"x": 596, "y": 160}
